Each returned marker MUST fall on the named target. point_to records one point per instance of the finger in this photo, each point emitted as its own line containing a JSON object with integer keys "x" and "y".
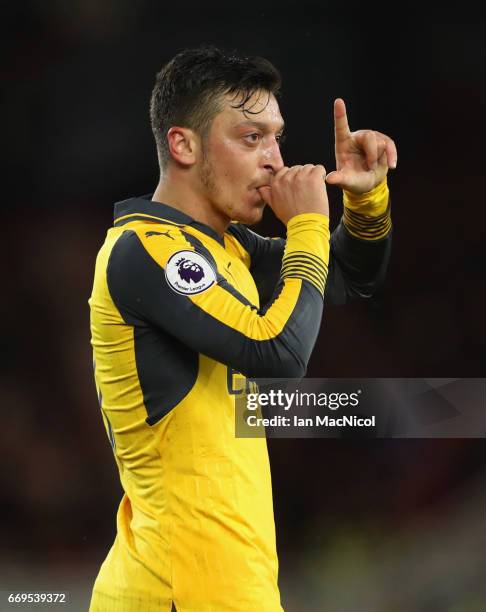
{"x": 318, "y": 170}
{"x": 307, "y": 171}
{"x": 341, "y": 126}
{"x": 334, "y": 178}
{"x": 391, "y": 153}
{"x": 366, "y": 140}
{"x": 281, "y": 173}
{"x": 294, "y": 169}
{"x": 265, "y": 194}
{"x": 383, "y": 159}
{"x": 391, "y": 150}
{"x": 380, "y": 148}
{"x": 293, "y": 172}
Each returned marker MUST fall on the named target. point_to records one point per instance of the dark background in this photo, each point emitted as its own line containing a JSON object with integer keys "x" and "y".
{"x": 370, "y": 525}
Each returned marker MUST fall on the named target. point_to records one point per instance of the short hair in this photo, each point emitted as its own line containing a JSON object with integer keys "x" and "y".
{"x": 189, "y": 90}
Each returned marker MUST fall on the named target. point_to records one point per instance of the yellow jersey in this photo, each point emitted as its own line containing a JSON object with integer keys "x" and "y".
{"x": 178, "y": 315}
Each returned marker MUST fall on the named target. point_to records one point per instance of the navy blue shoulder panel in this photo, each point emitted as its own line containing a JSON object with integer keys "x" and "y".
{"x": 167, "y": 368}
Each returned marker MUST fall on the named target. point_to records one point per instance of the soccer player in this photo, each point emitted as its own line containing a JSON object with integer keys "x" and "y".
{"x": 187, "y": 300}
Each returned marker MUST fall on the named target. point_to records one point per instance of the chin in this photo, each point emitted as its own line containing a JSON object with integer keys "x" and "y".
{"x": 251, "y": 216}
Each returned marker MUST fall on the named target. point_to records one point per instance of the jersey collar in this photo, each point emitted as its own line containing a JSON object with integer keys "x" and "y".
{"x": 144, "y": 209}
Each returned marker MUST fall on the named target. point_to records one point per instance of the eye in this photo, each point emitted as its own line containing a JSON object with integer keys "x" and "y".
{"x": 280, "y": 138}
{"x": 253, "y": 138}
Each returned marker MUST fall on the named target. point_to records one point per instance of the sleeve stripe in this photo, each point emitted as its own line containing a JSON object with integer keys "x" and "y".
{"x": 244, "y": 319}
{"x": 368, "y": 231}
{"x": 310, "y": 256}
{"x": 366, "y": 227}
{"x": 300, "y": 273}
{"x": 299, "y": 264}
{"x": 299, "y": 256}
{"x": 365, "y": 224}
{"x": 367, "y": 218}
{"x": 369, "y": 238}
{"x": 296, "y": 265}
{"x": 302, "y": 276}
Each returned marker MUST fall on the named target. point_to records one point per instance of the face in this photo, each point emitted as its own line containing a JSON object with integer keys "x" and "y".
{"x": 242, "y": 153}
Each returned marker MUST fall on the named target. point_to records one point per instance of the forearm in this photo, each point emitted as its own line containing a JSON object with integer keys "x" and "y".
{"x": 360, "y": 247}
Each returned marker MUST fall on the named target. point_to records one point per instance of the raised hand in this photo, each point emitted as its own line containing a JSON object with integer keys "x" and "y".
{"x": 362, "y": 158}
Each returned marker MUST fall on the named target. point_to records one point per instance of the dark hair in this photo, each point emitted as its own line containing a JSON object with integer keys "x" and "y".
{"x": 189, "y": 90}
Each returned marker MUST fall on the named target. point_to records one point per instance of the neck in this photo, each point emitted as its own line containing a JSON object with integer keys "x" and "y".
{"x": 181, "y": 195}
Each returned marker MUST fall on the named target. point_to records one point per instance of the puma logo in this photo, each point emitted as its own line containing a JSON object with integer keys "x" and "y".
{"x": 152, "y": 233}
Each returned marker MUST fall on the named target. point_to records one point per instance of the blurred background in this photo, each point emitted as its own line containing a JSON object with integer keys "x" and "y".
{"x": 376, "y": 525}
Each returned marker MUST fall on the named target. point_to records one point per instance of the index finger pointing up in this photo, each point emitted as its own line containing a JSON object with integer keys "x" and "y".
{"x": 341, "y": 127}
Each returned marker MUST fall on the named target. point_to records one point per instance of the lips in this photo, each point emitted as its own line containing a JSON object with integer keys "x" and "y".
{"x": 258, "y": 185}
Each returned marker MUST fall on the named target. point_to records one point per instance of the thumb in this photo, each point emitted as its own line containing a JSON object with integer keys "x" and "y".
{"x": 266, "y": 194}
{"x": 334, "y": 177}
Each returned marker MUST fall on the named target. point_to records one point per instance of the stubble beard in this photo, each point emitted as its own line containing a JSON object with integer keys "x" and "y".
{"x": 206, "y": 174}
{"x": 213, "y": 192}
{"x": 208, "y": 180}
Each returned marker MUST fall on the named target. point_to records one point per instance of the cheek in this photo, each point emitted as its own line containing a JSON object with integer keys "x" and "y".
{"x": 232, "y": 163}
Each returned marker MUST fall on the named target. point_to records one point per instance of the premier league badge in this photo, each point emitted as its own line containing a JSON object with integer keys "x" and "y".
{"x": 188, "y": 273}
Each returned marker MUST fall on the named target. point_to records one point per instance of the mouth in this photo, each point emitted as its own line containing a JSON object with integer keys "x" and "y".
{"x": 258, "y": 192}
{"x": 259, "y": 185}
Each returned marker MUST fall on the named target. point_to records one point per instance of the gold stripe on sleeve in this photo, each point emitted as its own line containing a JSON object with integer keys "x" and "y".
{"x": 306, "y": 253}
{"x": 367, "y": 215}
{"x": 228, "y": 310}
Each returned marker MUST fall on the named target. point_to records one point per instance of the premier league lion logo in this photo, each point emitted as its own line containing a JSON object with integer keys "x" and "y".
{"x": 189, "y": 270}
{"x": 189, "y": 273}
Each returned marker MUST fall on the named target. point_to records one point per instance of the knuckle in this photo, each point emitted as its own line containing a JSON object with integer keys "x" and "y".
{"x": 280, "y": 175}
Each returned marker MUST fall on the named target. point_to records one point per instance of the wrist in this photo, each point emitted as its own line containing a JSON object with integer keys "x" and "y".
{"x": 367, "y": 216}
{"x": 306, "y": 253}
{"x": 371, "y": 203}
{"x": 308, "y": 231}
{"x": 307, "y": 217}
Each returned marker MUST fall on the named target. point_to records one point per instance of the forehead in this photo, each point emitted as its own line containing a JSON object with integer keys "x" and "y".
{"x": 262, "y": 106}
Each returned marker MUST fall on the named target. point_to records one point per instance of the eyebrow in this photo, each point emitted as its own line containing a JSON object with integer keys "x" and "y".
{"x": 259, "y": 124}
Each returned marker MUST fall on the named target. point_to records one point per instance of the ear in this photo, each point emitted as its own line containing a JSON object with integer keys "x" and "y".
{"x": 183, "y": 145}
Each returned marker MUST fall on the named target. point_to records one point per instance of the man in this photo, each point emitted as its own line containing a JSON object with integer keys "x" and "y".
{"x": 186, "y": 299}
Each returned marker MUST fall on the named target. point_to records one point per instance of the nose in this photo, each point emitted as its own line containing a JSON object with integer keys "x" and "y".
{"x": 272, "y": 159}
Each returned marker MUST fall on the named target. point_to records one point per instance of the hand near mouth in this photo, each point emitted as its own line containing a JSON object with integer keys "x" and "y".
{"x": 296, "y": 190}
